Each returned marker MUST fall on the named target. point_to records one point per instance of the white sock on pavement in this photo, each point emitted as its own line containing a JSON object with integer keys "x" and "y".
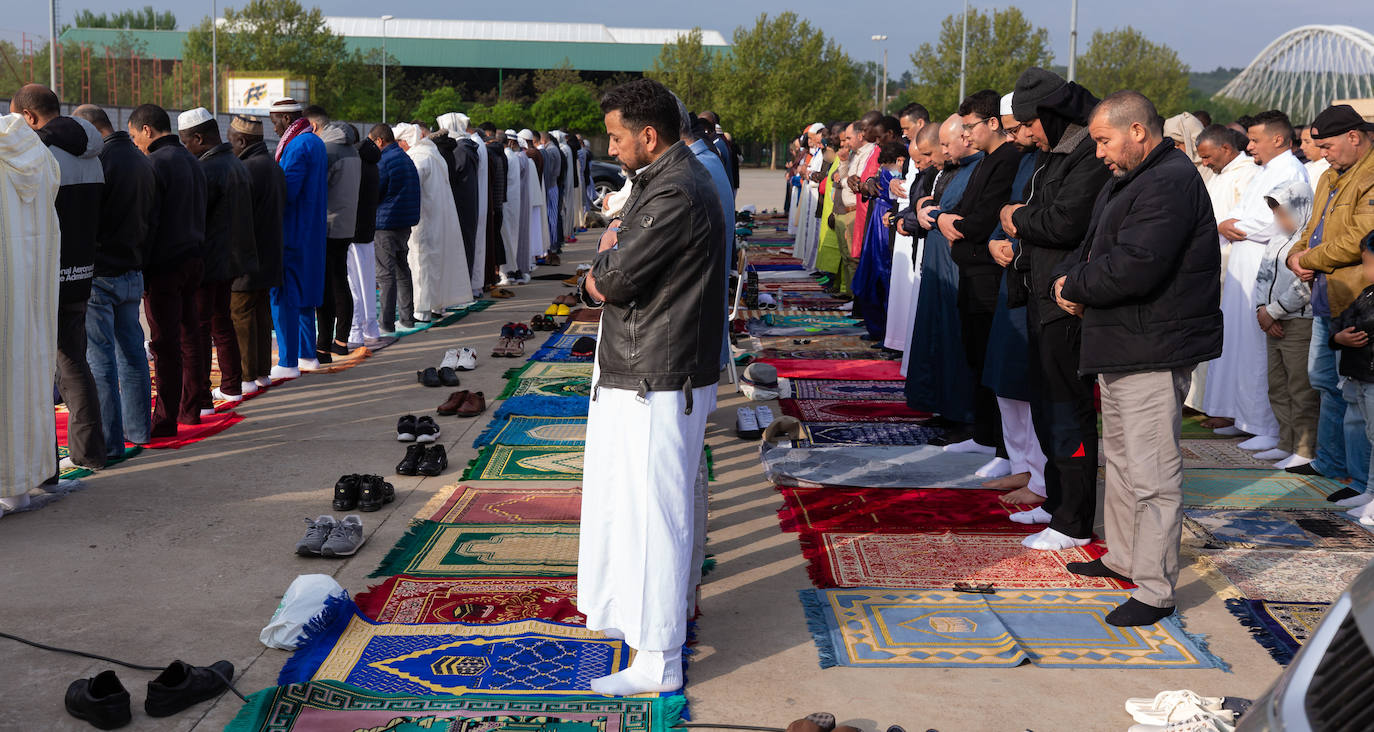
{"x": 995, "y": 468}
{"x": 1037, "y": 515}
{"x": 1050, "y": 540}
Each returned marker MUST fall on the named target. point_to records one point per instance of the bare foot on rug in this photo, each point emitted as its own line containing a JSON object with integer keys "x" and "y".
{"x": 1022, "y": 496}
{"x": 1213, "y": 423}
{"x": 1008, "y": 482}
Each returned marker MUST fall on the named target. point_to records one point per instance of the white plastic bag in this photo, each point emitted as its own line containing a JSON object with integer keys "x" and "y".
{"x": 304, "y": 599}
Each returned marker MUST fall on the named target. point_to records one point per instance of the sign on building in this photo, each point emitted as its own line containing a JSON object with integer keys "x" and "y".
{"x": 254, "y": 93}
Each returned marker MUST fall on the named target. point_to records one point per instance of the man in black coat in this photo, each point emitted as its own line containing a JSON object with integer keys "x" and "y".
{"x": 362, "y": 258}
{"x": 496, "y": 199}
{"x": 230, "y": 253}
{"x": 114, "y": 334}
{"x": 249, "y": 303}
{"x": 1147, "y": 283}
{"x": 1050, "y": 225}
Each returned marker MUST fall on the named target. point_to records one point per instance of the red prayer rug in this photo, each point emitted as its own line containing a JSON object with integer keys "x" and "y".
{"x": 826, "y": 369}
{"x": 938, "y": 560}
{"x": 846, "y": 410}
{"x": 888, "y": 511}
{"x": 404, "y": 599}
{"x": 186, "y": 433}
{"x": 465, "y": 504}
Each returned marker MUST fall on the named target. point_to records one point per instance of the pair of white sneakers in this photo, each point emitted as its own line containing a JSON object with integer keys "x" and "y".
{"x": 750, "y": 422}
{"x": 459, "y": 359}
{"x": 1180, "y": 711}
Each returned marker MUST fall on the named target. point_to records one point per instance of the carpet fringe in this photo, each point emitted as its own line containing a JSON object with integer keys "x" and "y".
{"x": 404, "y": 550}
{"x": 253, "y": 712}
{"x": 493, "y": 428}
{"x": 1200, "y": 639}
{"x": 471, "y": 468}
{"x": 317, "y": 639}
{"x": 1279, "y": 650}
{"x": 813, "y": 549}
{"x": 819, "y": 629}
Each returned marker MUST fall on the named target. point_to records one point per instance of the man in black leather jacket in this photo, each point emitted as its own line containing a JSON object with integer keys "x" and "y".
{"x": 660, "y": 270}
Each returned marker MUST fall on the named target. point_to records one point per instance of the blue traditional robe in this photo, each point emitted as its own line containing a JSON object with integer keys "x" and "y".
{"x": 873, "y": 276}
{"x": 1008, "y": 358}
{"x": 306, "y": 166}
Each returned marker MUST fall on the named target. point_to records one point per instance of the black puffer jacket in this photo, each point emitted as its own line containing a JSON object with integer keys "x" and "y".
{"x": 1357, "y": 363}
{"x": 1149, "y": 271}
{"x": 76, "y": 146}
{"x": 125, "y": 208}
{"x": 1059, "y": 199}
{"x": 177, "y": 232}
{"x": 230, "y": 250}
{"x": 268, "y": 184}
{"x": 366, "y": 229}
{"x": 462, "y": 160}
{"x": 664, "y": 281}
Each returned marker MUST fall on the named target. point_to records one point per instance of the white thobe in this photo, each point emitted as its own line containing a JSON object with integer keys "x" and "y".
{"x": 438, "y": 260}
{"x": 902, "y": 284}
{"x": 1238, "y": 381}
{"x": 362, "y": 284}
{"x": 566, "y": 186}
{"x": 29, "y": 252}
{"x": 808, "y": 230}
{"x": 538, "y": 241}
{"x": 916, "y": 260}
{"x": 513, "y": 210}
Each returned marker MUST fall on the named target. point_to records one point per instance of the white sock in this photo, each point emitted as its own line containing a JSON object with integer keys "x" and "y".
{"x": 995, "y": 468}
{"x": 1050, "y": 540}
{"x": 1274, "y": 454}
{"x": 651, "y": 672}
{"x": 1037, "y": 515}
{"x": 971, "y": 447}
{"x": 14, "y": 503}
{"x": 1229, "y": 431}
{"x": 1292, "y": 461}
{"x": 1355, "y": 501}
{"x": 1260, "y": 442}
{"x": 1362, "y": 512}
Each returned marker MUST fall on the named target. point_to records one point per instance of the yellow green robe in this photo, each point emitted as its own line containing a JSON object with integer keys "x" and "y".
{"x": 828, "y": 250}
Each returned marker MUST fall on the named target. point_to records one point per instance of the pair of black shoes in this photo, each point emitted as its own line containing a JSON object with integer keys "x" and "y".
{"x": 103, "y": 701}
{"x": 416, "y": 429}
{"x": 366, "y": 493}
{"x": 432, "y": 377}
{"x": 420, "y": 459}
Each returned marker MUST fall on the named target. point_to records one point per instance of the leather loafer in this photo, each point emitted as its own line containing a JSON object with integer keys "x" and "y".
{"x": 448, "y": 377}
{"x": 473, "y": 404}
{"x": 100, "y": 700}
{"x": 182, "y": 685}
{"x": 410, "y": 464}
{"x": 374, "y": 492}
{"x": 435, "y": 461}
{"x": 346, "y": 493}
{"x": 453, "y": 404}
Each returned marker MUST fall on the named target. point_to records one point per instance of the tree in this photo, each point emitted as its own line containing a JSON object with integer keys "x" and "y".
{"x": 781, "y": 74}
{"x": 1001, "y": 45}
{"x": 504, "y": 114}
{"x": 1125, "y": 59}
{"x": 685, "y": 67}
{"x": 145, "y": 19}
{"x": 436, "y": 102}
{"x": 571, "y": 107}
{"x": 546, "y": 80}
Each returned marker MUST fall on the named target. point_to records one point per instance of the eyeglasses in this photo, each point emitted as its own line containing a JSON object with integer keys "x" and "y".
{"x": 1013, "y": 129}
{"x": 970, "y": 127}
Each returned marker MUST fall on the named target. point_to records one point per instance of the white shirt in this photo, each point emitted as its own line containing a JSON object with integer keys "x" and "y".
{"x": 1253, "y": 215}
{"x": 1315, "y": 168}
{"x": 1227, "y": 187}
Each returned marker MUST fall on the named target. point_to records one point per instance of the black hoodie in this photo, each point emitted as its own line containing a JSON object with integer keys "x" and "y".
{"x": 126, "y": 207}
{"x": 268, "y": 184}
{"x": 76, "y": 146}
{"x": 230, "y": 250}
{"x": 178, "y": 230}
{"x": 366, "y": 229}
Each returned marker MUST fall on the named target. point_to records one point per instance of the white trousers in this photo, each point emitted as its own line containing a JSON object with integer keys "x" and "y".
{"x": 640, "y": 516}
{"x": 1023, "y": 449}
{"x": 362, "y": 283}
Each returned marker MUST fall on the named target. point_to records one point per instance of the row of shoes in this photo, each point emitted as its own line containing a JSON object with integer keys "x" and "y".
{"x": 328, "y": 537}
{"x": 367, "y": 493}
{"x": 576, "y": 279}
{"x": 462, "y": 404}
{"x": 103, "y": 701}
{"x": 455, "y": 360}
{"x": 1185, "y": 711}
{"x": 543, "y": 322}
{"x": 429, "y": 460}
{"x": 750, "y": 422}
{"x": 513, "y": 337}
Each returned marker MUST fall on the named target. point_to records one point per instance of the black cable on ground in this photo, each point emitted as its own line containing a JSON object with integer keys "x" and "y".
{"x": 42, "y": 646}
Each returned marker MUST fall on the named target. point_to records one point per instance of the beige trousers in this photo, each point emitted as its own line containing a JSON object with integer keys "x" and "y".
{"x": 1143, "y": 503}
{"x": 1291, "y": 396}
{"x": 844, "y": 231}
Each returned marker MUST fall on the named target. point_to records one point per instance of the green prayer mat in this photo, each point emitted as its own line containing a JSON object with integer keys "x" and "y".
{"x": 546, "y": 370}
{"x": 74, "y": 473}
{"x": 516, "y": 462}
{"x": 572, "y": 386}
{"x": 332, "y": 705}
{"x": 1255, "y": 489}
{"x": 432, "y": 549}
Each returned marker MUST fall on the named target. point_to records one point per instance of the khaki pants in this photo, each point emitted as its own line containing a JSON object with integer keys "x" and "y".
{"x": 1295, "y": 403}
{"x": 1143, "y": 503}
{"x": 844, "y": 229}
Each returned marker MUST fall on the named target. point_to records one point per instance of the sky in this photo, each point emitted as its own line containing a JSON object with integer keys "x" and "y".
{"x": 1193, "y": 29}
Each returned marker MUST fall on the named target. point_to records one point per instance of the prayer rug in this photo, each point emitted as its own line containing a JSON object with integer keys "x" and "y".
{"x": 865, "y": 433}
{"x": 777, "y": 354}
{"x": 831, "y": 343}
{"x": 510, "y": 462}
{"x": 845, "y": 559}
{"x": 866, "y": 389}
{"x": 929, "y": 628}
{"x": 580, "y": 328}
{"x": 535, "y": 432}
{"x": 888, "y": 511}
{"x": 344, "y": 363}
{"x": 585, "y": 315}
{"x": 845, "y": 410}
{"x": 570, "y": 387}
{"x": 558, "y": 348}
{"x": 871, "y": 466}
{"x": 1280, "y": 627}
{"x": 476, "y": 601}
{"x": 432, "y": 549}
{"x": 539, "y": 370}
{"x": 1312, "y": 575}
{"x": 810, "y": 320}
{"x": 537, "y": 405}
{"x": 329, "y": 706}
{"x": 857, "y": 370}
{"x": 525, "y": 657}
{"x": 1294, "y": 528}
{"x": 803, "y": 331}
{"x": 465, "y": 504}
{"x": 74, "y": 473}
{"x": 1219, "y": 454}
{"x": 402, "y": 332}
{"x": 1222, "y": 488}
{"x": 187, "y": 434}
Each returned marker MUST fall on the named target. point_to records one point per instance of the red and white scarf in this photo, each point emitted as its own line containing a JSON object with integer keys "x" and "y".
{"x": 300, "y": 125}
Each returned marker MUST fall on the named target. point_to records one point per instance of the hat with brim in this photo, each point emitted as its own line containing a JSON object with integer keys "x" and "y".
{"x": 285, "y": 104}
{"x": 1338, "y": 120}
{"x": 761, "y": 374}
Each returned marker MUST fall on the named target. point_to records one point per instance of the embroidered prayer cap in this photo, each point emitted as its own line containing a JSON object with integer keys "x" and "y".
{"x": 1338, "y": 120}
{"x": 1006, "y": 104}
{"x": 285, "y": 104}
{"x": 246, "y": 125}
{"x": 193, "y": 118}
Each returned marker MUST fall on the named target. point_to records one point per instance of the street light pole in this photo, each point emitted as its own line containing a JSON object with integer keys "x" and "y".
{"x": 52, "y": 47}
{"x": 879, "y": 101}
{"x": 884, "y": 104}
{"x": 963, "y": 55}
{"x": 1073, "y": 41}
{"x": 214, "y": 57}
{"x": 385, "y": 18}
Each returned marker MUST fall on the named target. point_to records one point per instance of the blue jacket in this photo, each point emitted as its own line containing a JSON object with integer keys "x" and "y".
{"x": 305, "y": 164}
{"x": 398, "y": 190}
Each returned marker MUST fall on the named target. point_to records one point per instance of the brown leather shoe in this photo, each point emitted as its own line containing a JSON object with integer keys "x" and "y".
{"x": 474, "y": 403}
{"x": 454, "y": 404}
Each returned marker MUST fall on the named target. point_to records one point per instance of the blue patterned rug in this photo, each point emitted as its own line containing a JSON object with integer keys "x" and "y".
{"x": 535, "y": 432}
{"x": 558, "y": 348}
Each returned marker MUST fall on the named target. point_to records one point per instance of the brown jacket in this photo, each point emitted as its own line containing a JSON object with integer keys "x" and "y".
{"x": 1349, "y": 217}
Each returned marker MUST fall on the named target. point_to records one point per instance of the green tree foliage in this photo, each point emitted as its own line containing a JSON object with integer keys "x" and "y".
{"x": 781, "y": 74}
{"x": 572, "y": 107}
{"x": 546, "y": 80}
{"x": 145, "y": 19}
{"x": 685, "y": 67}
{"x": 1001, "y": 45}
{"x": 1125, "y": 59}
{"x": 504, "y": 114}
{"x": 435, "y": 102}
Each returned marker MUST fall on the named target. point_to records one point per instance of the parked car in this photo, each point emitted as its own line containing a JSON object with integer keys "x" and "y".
{"x": 607, "y": 178}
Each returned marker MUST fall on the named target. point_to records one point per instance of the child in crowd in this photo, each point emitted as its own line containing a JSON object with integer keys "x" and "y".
{"x": 1284, "y": 310}
{"x": 1357, "y": 362}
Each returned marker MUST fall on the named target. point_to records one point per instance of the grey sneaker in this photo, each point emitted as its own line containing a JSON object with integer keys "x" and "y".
{"x": 315, "y": 536}
{"x": 345, "y": 538}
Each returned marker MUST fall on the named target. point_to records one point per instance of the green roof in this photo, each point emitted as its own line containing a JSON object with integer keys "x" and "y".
{"x": 422, "y": 52}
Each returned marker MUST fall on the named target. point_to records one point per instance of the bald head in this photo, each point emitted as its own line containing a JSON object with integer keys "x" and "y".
{"x": 36, "y": 104}
{"x": 1127, "y": 129}
{"x": 952, "y": 140}
{"x": 1126, "y": 108}
{"x": 96, "y": 116}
